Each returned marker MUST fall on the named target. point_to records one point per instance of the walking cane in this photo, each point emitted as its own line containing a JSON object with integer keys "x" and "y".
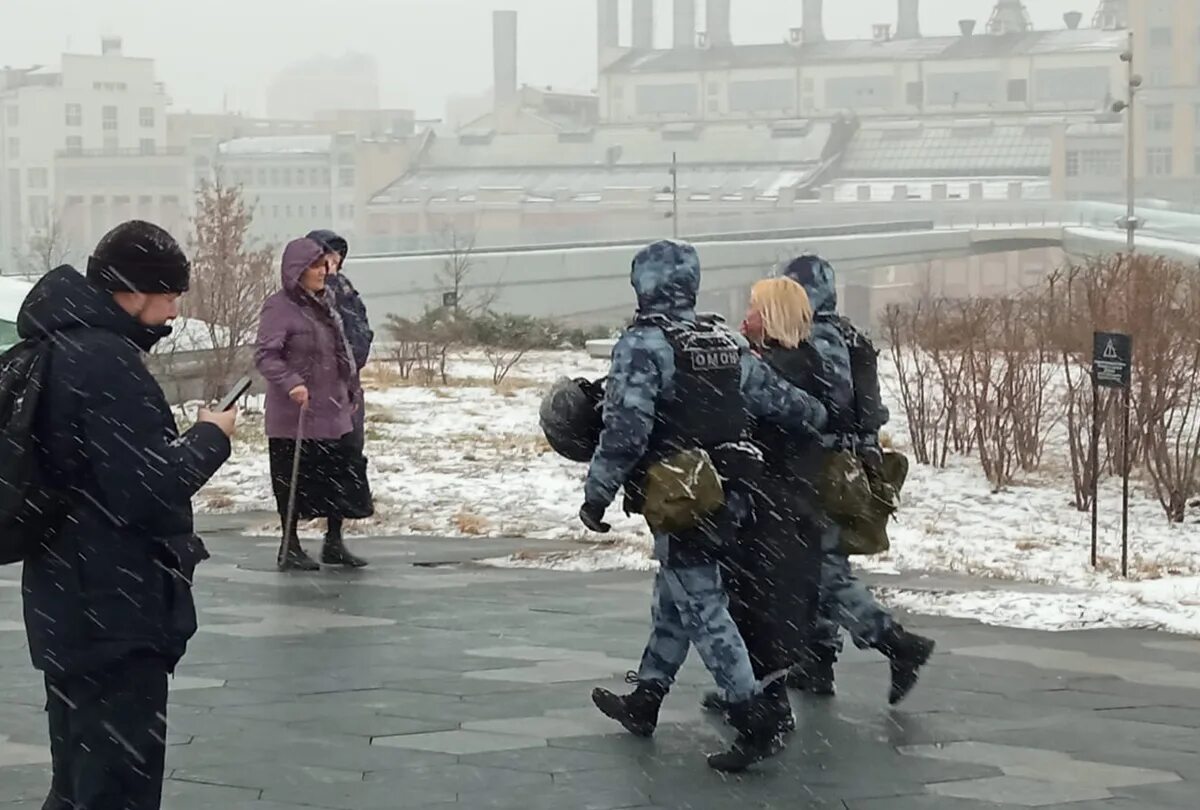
{"x": 288, "y": 527}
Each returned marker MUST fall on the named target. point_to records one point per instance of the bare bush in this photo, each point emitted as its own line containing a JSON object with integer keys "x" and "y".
{"x": 231, "y": 279}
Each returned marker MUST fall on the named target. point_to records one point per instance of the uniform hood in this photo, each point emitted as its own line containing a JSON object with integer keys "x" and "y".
{"x": 298, "y": 256}
{"x": 63, "y": 300}
{"x": 817, "y": 277}
{"x": 666, "y": 278}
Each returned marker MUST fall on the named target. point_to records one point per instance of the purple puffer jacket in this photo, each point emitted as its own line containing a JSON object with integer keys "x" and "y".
{"x": 300, "y": 342}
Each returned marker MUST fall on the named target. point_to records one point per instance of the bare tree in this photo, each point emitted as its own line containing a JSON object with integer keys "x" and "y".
{"x": 46, "y": 250}
{"x": 459, "y": 295}
{"x": 231, "y": 278}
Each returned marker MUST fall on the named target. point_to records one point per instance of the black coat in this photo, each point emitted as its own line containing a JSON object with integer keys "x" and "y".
{"x": 116, "y": 579}
{"x": 774, "y": 576}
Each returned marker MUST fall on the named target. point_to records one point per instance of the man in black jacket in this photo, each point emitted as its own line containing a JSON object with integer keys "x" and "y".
{"x": 108, "y": 602}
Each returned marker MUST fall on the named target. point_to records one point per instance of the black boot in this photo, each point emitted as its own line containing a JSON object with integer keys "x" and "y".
{"x": 757, "y": 737}
{"x": 907, "y": 653}
{"x": 637, "y": 712}
{"x": 776, "y": 696}
{"x": 815, "y": 673}
{"x": 294, "y": 558}
{"x": 334, "y": 552}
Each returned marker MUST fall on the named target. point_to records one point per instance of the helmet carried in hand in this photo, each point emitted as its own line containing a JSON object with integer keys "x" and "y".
{"x": 571, "y": 418}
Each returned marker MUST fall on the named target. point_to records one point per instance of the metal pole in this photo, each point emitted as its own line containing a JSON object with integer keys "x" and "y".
{"x": 675, "y": 195}
{"x": 1095, "y": 461}
{"x": 1131, "y": 158}
{"x": 1125, "y": 492}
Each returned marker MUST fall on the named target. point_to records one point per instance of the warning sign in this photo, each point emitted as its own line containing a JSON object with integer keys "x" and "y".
{"x": 1112, "y": 357}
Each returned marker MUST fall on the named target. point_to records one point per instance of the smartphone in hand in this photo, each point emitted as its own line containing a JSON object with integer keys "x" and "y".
{"x": 238, "y": 391}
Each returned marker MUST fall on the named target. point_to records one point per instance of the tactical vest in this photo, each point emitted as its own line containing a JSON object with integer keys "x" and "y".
{"x": 706, "y": 408}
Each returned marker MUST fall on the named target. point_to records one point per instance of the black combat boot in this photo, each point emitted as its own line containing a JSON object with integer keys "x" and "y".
{"x": 757, "y": 737}
{"x": 815, "y": 673}
{"x": 334, "y": 552}
{"x": 776, "y": 696}
{"x": 637, "y": 712}
{"x": 295, "y": 559}
{"x": 907, "y": 653}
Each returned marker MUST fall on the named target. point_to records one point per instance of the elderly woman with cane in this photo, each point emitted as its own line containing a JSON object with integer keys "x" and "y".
{"x": 312, "y": 393}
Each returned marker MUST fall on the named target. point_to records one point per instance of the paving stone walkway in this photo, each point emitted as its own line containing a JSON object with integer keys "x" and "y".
{"x": 428, "y": 682}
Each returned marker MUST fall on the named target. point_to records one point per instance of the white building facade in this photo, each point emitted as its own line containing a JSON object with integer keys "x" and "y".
{"x": 105, "y": 110}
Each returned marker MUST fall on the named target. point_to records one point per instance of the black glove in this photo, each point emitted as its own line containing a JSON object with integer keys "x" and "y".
{"x": 592, "y": 516}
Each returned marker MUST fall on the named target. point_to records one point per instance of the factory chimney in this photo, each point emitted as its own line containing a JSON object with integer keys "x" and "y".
{"x": 909, "y": 24}
{"x": 685, "y": 24}
{"x": 813, "y": 22}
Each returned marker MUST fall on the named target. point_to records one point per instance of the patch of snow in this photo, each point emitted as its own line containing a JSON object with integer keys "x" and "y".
{"x": 470, "y": 461}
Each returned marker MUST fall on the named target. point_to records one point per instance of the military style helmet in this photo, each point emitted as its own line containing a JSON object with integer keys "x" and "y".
{"x": 571, "y": 418}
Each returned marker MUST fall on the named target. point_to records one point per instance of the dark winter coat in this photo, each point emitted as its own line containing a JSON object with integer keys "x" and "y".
{"x": 353, "y": 312}
{"x": 116, "y": 580}
{"x": 301, "y": 342}
{"x": 349, "y": 303}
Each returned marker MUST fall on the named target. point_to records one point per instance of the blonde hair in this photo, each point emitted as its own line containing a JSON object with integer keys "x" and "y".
{"x": 785, "y": 310}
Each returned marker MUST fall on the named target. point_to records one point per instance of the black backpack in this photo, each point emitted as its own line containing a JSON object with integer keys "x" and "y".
{"x": 29, "y": 508}
{"x": 869, "y": 411}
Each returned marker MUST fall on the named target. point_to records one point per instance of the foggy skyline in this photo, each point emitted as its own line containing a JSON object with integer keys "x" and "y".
{"x": 226, "y": 52}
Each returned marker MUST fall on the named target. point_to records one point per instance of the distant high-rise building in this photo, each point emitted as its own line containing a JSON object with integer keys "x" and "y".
{"x": 301, "y": 90}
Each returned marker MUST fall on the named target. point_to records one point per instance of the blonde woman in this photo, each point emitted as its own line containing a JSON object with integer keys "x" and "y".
{"x": 773, "y": 577}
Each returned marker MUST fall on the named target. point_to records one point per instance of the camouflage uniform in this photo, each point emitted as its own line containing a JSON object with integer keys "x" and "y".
{"x": 690, "y": 604}
{"x": 845, "y": 601}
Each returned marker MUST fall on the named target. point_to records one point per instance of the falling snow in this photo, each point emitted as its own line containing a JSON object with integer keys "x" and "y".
{"x": 468, "y": 460}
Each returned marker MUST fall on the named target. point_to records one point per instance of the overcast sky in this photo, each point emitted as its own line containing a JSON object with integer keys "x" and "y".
{"x": 427, "y": 49}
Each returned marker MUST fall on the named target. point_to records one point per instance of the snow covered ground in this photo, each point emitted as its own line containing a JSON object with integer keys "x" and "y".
{"x": 468, "y": 459}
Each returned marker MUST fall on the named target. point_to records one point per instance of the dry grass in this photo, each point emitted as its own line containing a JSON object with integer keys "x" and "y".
{"x": 217, "y": 501}
{"x": 1030, "y": 544}
{"x": 471, "y": 524}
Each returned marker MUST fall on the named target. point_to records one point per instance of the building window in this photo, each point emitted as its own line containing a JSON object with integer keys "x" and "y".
{"x": 14, "y": 148}
{"x": 275, "y": 211}
{"x": 146, "y": 116}
{"x": 111, "y": 145}
{"x": 1100, "y": 162}
{"x": 109, "y": 118}
{"x": 1160, "y": 37}
{"x": 39, "y": 178}
{"x": 326, "y": 177}
{"x": 1160, "y": 77}
{"x": 74, "y": 145}
{"x": 1161, "y": 117}
{"x": 1018, "y": 90}
{"x": 301, "y": 177}
{"x": 1158, "y": 162}
{"x": 314, "y": 177}
{"x": 13, "y": 116}
{"x": 261, "y": 177}
{"x": 1072, "y": 164}
{"x": 147, "y": 146}
{"x": 346, "y": 177}
{"x": 39, "y": 212}
{"x": 74, "y": 115}
{"x": 287, "y": 211}
{"x": 274, "y": 177}
{"x": 714, "y": 106}
{"x": 914, "y": 93}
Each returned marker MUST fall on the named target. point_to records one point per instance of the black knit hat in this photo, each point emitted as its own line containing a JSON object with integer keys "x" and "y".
{"x": 137, "y": 256}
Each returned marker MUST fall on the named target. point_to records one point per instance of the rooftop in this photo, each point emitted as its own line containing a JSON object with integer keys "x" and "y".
{"x": 279, "y": 145}
{"x": 980, "y": 46}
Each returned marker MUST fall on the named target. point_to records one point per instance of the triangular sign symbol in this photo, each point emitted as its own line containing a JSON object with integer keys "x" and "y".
{"x": 1110, "y": 351}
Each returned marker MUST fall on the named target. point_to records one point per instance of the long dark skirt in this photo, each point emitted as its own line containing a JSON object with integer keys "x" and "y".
{"x": 332, "y": 481}
{"x": 773, "y": 578}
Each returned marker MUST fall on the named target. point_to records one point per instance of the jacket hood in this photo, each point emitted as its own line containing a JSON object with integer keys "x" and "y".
{"x": 298, "y": 256}
{"x": 666, "y": 278}
{"x": 817, "y": 277}
{"x": 331, "y": 241}
{"x": 63, "y": 299}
